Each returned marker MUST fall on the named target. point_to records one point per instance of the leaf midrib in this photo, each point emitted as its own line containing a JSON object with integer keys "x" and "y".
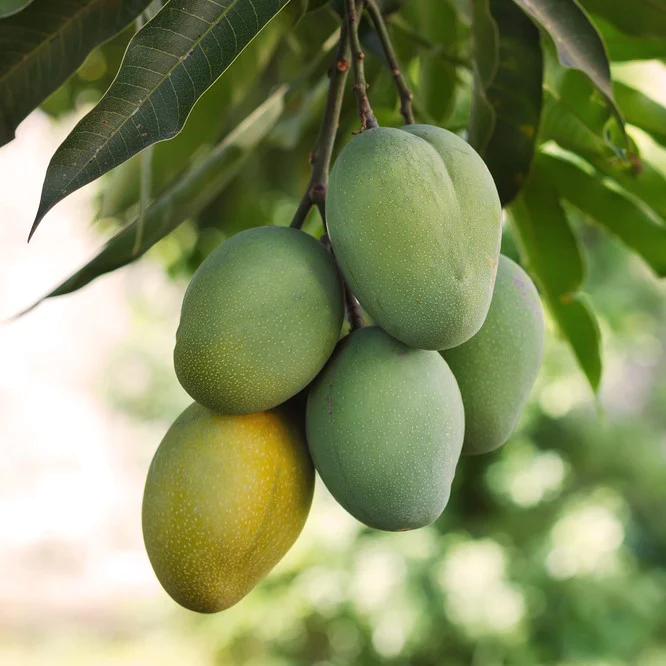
{"x": 578, "y": 60}
{"x": 180, "y": 61}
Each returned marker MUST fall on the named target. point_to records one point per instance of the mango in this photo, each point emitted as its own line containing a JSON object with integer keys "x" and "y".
{"x": 225, "y": 499}
{"x": 259, "y": 320}
{"x": 384, "y": 425}
{"x": 415, "y": 221}
{"x": 497, "y": 368}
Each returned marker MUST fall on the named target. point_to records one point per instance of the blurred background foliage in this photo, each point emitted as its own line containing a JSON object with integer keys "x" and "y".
{"x": 552, "y": 551}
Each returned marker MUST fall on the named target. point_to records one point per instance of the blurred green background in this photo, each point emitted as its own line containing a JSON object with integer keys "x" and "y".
{"x": 552, "y": 551}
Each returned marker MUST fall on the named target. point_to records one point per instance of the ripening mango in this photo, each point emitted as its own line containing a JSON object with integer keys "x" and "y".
{"x": 497, "y": 368}
{"x": 225, "y": 499}
{"x": 385, "y": 424}
{"x": 415, "y": 222}
{"x": 260, "y": 318}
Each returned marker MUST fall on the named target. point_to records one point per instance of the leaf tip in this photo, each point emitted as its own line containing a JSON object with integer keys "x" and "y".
{"x": 38, "y": 218}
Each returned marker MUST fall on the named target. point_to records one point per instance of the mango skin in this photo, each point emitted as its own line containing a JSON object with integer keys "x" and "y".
{"x": 415, "y": 222}
{"x": 497, "y": 368}
{"x": 385, "y": 424}
{"x": 259, "y": 320}
{"x": 225, "y": 499}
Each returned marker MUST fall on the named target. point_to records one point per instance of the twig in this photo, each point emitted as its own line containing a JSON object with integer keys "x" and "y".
{"x": 368, "y": 119}
{"x": 353, "y": 310}
{"x": 320, "y": 159}
{"x": 403, "y": 90}
{"x": 315, "y": 194}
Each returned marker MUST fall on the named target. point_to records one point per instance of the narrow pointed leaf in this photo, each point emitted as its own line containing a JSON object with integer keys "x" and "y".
{"x": 611, "y": 210}
{"x": 578, "y": 42}
{"x": 514, "y": 91}
{"x": 43, "y": 45}
{"x": 185, "y": 199}
{"x": 11, "y": 7}
{"x": 169, "y": 64}
{"x": 553, "y": 256}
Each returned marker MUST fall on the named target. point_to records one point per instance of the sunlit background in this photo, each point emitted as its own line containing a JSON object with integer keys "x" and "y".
{"x": 552, "y": 551}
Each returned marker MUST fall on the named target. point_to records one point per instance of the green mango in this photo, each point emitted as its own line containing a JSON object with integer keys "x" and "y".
{"x": 225, "y": 499}
{"x": 497, "y": 368}
{"x": 385, "y": 425}
{"x": 415, "y": 222}
{"x": 259, "y": 320}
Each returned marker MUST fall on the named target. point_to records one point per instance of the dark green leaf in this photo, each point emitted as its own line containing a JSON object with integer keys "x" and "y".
{"x": 313, "y": 5}
{"x": 10, "y": 7}
{"x": 218, "y": 109}
{"x": 485, "y": 37}
{"x": 579, "y": 44}
{"x": 610, "y": 209}
{"x": 553, "y": 256}
{"x": 43, "y": 45}
{"x": 515, "y": 94}
{"x": 642, "y": 111}
{"x": 643, "y": 18}
{"x": 169, "y": 64}
{"x": 186, "y": 199}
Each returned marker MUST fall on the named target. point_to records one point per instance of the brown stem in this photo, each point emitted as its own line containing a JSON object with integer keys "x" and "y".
{"x": 405, "y": 93}
{"x": 315, "y": 194}
{"x": 353, "y": 310}
{"x": 368, "y": 119}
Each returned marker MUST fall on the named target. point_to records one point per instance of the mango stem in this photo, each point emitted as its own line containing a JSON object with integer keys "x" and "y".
{"x": 404, "y": 92}
{"x": 368, "y": 120}
{"x": 320, "y": 158}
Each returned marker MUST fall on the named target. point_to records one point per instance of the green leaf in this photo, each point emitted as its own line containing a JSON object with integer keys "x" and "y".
{"x": 43, "y": 45}
{"x": 485, "y": 38}
{"x": 642, "y": 111}
{"x": 169, "y": 64}
{"x": 643, "y": 18}
{"x": 552, "y": 250}
{"x": 10, "y": 7}
{"x": 217, "y": 110}
{"x": 578, "y": 325}
{"x": 576, "y": 118}
{"x": 313, "y": 5}
{"x": 553, "y": 256}
{"x": 611, "y": 210}
{"x": 438, "y": 78}
{"x": 579, "y": 44}
{"x": 514, "y": 92}
{"x": 185, "y": 199}
{"x": 622, "y": 48}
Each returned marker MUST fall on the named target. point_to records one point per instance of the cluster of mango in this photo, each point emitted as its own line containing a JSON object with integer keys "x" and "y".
{"x": 414, "y": 221}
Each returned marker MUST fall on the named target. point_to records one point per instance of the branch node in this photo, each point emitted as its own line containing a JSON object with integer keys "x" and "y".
{"x": 360, "y": 86}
